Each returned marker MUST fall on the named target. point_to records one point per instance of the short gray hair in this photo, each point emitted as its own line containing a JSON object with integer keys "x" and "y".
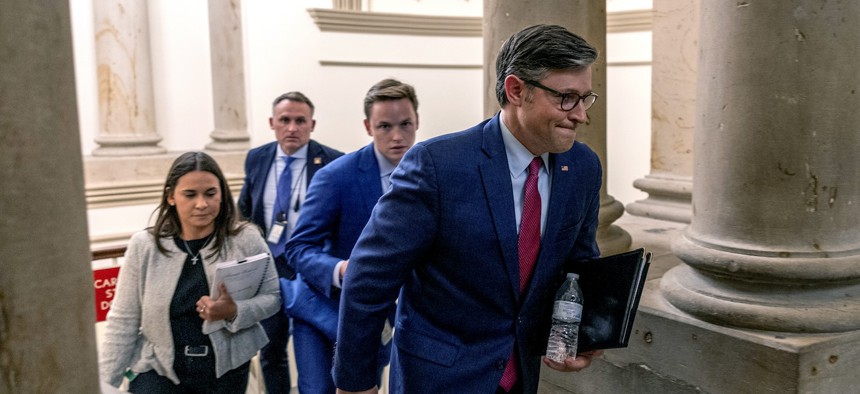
{"x": 536, "y": 50}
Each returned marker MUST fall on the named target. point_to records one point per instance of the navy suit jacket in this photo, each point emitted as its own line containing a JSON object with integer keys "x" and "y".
{"x": 444, "y": 237}
{"x": 257, "y": 166}
{"x": 338, "y": 205}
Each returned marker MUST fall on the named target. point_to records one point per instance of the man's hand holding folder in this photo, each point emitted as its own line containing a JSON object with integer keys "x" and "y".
{"x": 611, "y": 287}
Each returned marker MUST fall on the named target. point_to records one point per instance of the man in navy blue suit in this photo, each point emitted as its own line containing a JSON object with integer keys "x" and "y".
{"x": 472, "y": 238}
{"x": 294, "y": 151}
{"x": 340, "y": 200}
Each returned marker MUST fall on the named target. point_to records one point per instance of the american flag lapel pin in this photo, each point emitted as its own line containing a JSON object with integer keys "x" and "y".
{"x": 317, "y": 160}
{"x": 564, "y": 168}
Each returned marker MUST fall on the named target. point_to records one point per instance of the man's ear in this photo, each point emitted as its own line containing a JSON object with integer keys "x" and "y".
{"x": 367, "y": 127}
{"x": 515, "y": 89}
{"x": 313, "y": 124}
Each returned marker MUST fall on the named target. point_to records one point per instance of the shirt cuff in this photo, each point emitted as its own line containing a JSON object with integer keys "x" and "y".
{"x": 335, "y": 278}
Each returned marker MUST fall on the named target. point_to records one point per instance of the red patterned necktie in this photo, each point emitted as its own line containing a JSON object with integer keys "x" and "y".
{"x": 528, "y": 246}
{"x": 529, "y": 241}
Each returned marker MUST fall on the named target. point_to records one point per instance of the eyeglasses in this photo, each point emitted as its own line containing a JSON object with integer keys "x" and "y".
{"x": 568, "y": 100}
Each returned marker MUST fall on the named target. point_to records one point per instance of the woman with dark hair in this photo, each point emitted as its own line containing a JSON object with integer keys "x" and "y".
{"x": 154, "y": 334}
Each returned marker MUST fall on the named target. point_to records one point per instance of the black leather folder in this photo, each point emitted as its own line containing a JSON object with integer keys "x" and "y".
{"x": 611, "y": 287}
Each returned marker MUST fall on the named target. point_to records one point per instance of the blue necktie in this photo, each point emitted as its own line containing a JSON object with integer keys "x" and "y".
{"x": 282, "y": 203}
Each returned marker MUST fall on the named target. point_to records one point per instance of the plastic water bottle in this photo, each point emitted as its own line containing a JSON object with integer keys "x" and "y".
{"x": 566, "y": 315}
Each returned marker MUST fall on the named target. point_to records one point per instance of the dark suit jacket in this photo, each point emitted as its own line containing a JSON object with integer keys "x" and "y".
{"x": 338, "y": 205}
{"x": 257, "y": 166}
{"x": 445, "y": 238}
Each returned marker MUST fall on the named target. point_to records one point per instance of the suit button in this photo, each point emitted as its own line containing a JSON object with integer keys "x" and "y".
{"x": 501, "y": 364}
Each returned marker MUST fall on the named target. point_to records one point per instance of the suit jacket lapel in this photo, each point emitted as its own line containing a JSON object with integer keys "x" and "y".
{"x": 369, "y": 184}
{"x": 562, "y": 191}
{"x": 265, "y": 164}
{"x": 314, "y": 160}
{"x": 496, "y": 179}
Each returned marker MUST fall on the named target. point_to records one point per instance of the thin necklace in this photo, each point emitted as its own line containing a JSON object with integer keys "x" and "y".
{"x": 195, "y": 258}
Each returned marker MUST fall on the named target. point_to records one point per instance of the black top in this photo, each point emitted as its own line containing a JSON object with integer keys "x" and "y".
{"x": 185, "y": 322}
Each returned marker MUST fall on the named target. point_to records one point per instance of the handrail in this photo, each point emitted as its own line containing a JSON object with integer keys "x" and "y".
{"x": 113, "y": 252}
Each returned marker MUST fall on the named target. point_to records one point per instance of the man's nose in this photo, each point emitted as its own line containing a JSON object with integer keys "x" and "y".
{"x": 397, "y": 134}
{"x": 578, "y": 113}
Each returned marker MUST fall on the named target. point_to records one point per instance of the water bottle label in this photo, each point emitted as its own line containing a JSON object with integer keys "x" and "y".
{"x": 567, "y": 311}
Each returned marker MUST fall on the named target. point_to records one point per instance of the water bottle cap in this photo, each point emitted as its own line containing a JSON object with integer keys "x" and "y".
{"x": 572, "y": 275}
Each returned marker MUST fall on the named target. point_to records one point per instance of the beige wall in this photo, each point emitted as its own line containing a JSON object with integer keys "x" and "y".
{"x": 285, "y": 50}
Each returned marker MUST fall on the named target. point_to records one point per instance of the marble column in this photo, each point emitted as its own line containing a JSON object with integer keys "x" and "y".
{"x": 673, "y": 106}
{"x": 766, "y": 299}
{"x": 774, "y": 241}
{"x": 126, "y": 98}
{"x": 228, "y": 77}
{"x": 47, "y": 310}
{"x": 502, "y": 18}
{"x": 347, "y": 5}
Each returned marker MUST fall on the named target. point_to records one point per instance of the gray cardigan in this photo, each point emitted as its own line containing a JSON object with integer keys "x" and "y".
{"x": 138, "y": 334}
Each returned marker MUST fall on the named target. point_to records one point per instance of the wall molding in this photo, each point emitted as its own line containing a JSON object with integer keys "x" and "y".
{"x": 343, "y": 63}
{"x": 102, "y": 241}
{"x": 329, "y": 20}
{"x": 139, "y": 193}
{"x": 346, "y": 21}
{"x": 625, "y": 63}
{"x": 629, "y": 21}
{"x": 121, "y": 181}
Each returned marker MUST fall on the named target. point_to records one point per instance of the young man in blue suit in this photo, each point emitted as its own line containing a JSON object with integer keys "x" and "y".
{"x": 272, "y": 199}
{"x": 339, "y": 203}
{"x": 472, "y": 237}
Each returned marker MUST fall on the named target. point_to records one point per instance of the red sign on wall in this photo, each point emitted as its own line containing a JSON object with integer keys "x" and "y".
{"x": 104, "y": 281}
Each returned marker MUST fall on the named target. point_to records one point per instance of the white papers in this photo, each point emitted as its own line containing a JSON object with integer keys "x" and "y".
{"x": 243, "y": 279}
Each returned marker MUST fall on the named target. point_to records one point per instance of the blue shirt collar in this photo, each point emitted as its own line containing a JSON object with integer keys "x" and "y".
{"x": 302, "y": 153}
{"x": 385, "y": 166}
{"x": 519, "y": 156}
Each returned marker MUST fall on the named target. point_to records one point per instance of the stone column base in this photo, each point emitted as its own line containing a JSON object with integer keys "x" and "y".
{"x": 229, "y": 141}
{"x": 671, "y": 352}
{"x": 611, "y": 239}
{"x": 669, "y": 198}
{"x": 124, "y": 145}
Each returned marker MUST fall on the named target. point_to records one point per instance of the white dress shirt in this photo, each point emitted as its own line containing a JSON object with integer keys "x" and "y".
{"x": 298, "y": 188}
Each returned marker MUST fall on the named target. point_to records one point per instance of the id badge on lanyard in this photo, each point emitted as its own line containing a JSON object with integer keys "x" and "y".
{"x": 277, "y": 230}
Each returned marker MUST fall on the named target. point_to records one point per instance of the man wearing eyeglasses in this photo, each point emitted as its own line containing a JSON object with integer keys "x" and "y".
{"x": 474, "y": 234}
